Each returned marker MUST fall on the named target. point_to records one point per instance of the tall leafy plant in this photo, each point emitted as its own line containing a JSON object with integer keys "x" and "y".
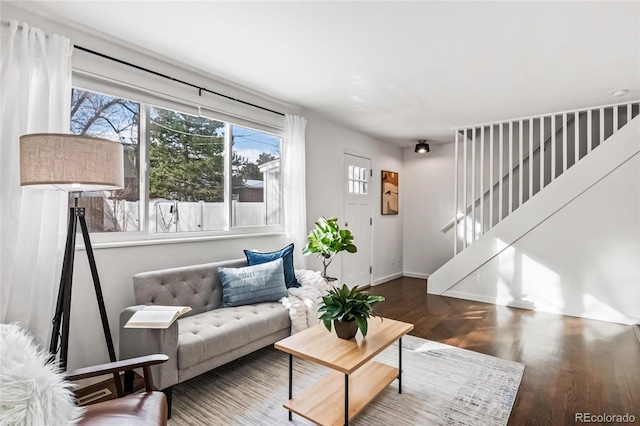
{"x": 326, "y": 240}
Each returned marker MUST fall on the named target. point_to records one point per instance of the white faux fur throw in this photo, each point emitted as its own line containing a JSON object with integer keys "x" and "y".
{"x": 303, "y": 301}
{"x": 33, "y": 391}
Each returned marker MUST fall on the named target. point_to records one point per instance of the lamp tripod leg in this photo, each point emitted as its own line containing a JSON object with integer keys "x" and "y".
{"x": 96, "y": 285}
{"x": 63, "y": 305}
{"x": 67, "y": 264}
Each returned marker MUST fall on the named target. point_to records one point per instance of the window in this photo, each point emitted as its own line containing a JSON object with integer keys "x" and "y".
{"x": 255, "y": 178}
{"x": 116, "y": 119}
{"x": 357, "y": 180}
{"x": 203, "y": 174}
{"x": 186, "y": 172}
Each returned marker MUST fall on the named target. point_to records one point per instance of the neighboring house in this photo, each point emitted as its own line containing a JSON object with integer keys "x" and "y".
{"x": 249, "y": 191}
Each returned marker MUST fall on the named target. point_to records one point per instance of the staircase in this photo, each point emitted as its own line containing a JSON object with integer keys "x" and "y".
{"x": 547, "y": 214}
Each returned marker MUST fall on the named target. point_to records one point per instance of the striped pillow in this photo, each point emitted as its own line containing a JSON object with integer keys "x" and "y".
{"x": 252, "y": 284}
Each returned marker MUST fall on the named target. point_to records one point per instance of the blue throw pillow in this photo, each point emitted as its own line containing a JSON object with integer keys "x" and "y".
{"x": 252, "y": 284}
{"x": 256, "y": 258}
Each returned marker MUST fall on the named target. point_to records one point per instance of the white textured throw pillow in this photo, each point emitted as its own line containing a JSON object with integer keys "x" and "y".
{"x": 33, "y": 391}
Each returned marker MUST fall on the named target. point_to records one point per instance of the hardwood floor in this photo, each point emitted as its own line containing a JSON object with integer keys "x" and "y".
{"x": 573, "y": 365}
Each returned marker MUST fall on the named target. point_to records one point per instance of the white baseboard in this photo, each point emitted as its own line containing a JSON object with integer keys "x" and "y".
{"x": 387, "y": 278}
{"x": 420, "y": 275}
{"x": 520, "y": 304}
{"x": 469, "y": 296}
{"x": 523, "y": 304}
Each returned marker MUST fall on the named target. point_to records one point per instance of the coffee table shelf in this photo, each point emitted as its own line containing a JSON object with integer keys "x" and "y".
{"x": 355, "y": 380}
{"x": 323, "y": 402}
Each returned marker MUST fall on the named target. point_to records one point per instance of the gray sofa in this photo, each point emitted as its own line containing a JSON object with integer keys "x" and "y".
{"x": 207, "y": 336}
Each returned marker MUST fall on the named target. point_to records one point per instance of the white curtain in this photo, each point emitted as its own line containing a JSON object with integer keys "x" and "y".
{"x": 35, "y": 85}
{"x": 293, "y": 174}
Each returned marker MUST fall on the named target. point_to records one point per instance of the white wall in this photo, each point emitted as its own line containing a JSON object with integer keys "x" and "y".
{"x": 326, "y": 145}
{"x": 428, "y": 206}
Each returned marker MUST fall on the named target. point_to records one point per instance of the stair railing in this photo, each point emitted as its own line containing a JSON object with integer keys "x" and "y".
{"x": 501, "y": 165}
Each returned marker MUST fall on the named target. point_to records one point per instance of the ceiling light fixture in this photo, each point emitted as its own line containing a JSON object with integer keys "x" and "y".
{"x": 619, "y": 93}
{"x": 422, "y": 146}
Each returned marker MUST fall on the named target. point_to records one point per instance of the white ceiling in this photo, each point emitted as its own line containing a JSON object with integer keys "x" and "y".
{"x": 400, "y": 71}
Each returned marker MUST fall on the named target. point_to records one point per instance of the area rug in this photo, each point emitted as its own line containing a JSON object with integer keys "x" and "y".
{"x": 441, "y": 385}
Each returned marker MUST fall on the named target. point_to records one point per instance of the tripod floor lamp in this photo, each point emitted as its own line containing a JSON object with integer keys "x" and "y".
{"x": 74, "y": 164}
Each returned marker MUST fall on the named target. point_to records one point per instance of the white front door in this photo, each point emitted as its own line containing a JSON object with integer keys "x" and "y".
{"x": 356, "y": 267}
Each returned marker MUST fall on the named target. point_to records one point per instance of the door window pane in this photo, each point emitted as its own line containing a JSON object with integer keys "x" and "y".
{"x": 357, "y": 180}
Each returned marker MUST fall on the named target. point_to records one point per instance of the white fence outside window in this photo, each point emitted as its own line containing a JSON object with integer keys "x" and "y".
{"x": 175, "y": 216}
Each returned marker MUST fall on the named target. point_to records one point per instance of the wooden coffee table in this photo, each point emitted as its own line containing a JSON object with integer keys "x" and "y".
{"x": 356, "y": 378}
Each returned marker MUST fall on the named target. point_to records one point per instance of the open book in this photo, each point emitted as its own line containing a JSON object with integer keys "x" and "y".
{"x": 156, "y": 316}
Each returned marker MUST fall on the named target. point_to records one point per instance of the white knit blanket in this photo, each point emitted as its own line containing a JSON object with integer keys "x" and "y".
{"x": 303, "y": 301}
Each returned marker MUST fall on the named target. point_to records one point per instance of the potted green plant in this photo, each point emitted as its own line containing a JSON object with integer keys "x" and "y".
{"x": 348, "y": 309}
{"x": 327, "y": 240}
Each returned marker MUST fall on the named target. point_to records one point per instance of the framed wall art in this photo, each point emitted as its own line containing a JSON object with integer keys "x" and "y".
{"x": 389, "y": 192}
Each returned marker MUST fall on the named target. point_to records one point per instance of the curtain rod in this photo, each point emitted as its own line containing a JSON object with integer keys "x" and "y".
{"x": 200, "y": 89}
{"x": 138, "y": 67}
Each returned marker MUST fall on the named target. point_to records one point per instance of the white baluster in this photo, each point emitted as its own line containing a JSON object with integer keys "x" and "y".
{"x": 481, "y": 180}
{"x": 464, "y": 189}
{"x": 601, "y": 125}
{"x": 629, "y": 113}
{"x": 553, "y": 148}
{"x": 473, "y": 185}
{"x": 510, "y": 167}
{"x": 490, "y": 178}
{"x": 541, "y": 153}
{"x": 455, "y": 197}
{"x": 530, "y": 158}
{"x": 589, "y": 131}
{"x": 520, "y": 162}
{"x": 576, "y": 138}
{"x": 565, "y": 143}
{"x": 500, "y": 171}
{"x": 615, "y": 119}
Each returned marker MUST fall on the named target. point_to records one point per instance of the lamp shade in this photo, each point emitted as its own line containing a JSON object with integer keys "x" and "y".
{"x": 70, "y": 162}
{"x": 422, "y": 146}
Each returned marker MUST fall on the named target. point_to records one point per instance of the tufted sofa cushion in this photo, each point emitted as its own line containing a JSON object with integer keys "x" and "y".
{"x": 216, "y": 332}
{"x": 197, "y": 286}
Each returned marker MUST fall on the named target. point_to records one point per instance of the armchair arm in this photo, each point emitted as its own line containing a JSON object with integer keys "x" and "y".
{"x": 115, "y": 367}
{"x": 144, "y": 362}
